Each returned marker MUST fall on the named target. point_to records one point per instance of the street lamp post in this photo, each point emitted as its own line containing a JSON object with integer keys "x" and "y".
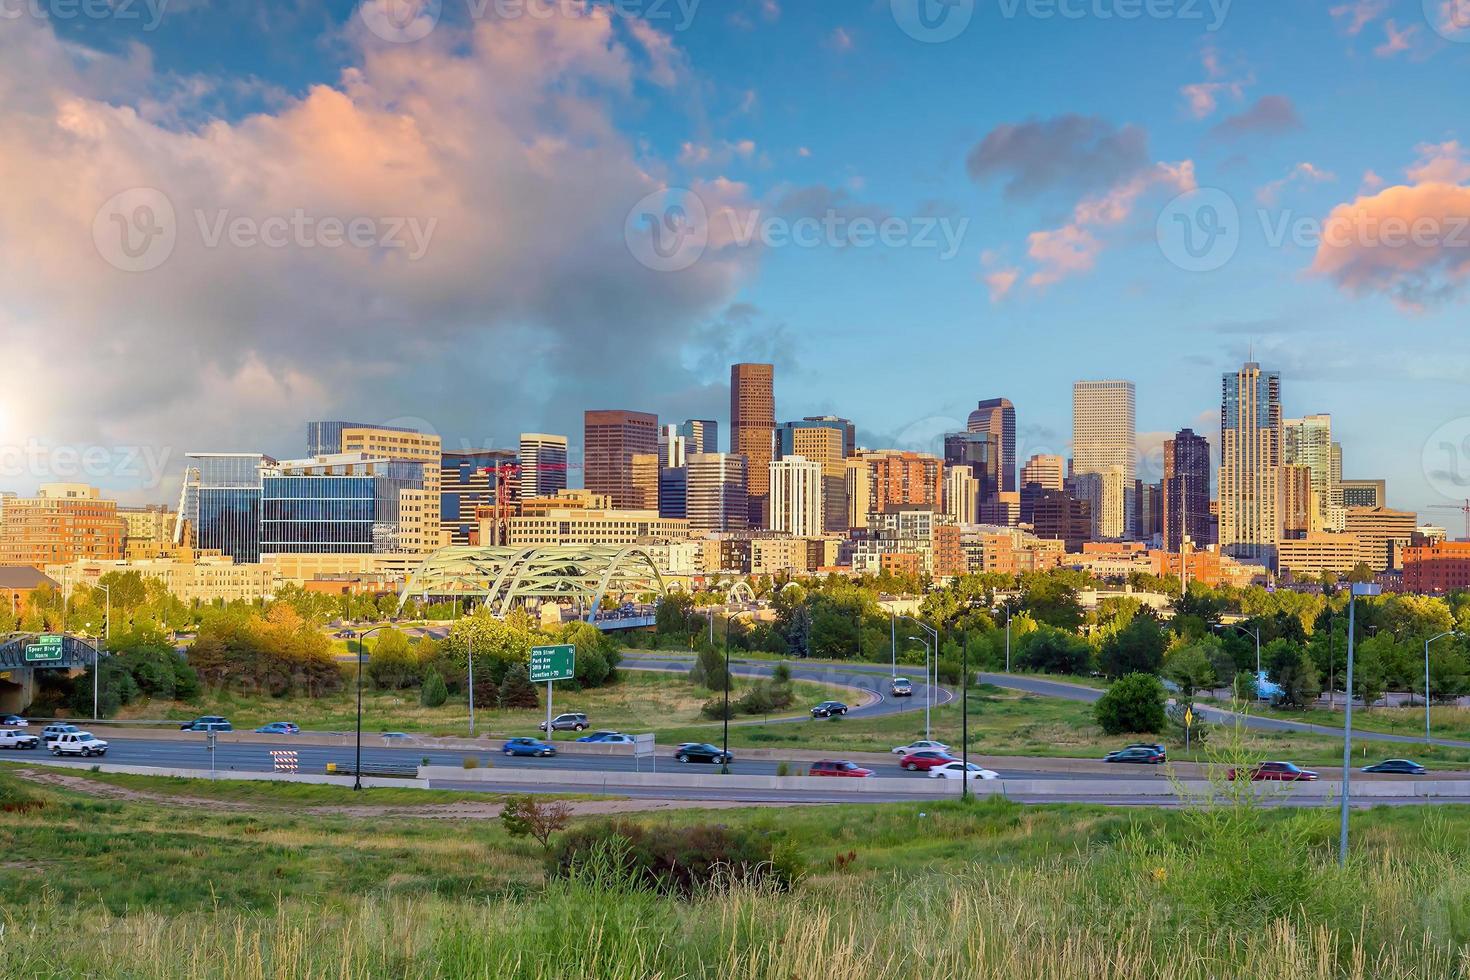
{"x": 1257, "y": 635}
{"x": 1364, "y": 589}
{"x": 1441, "y": 636}
{"x": 357, "y": 765}
{"x": 1007, "y": 607}
{"x": 965, "y": 717}
{"x": 929, "y": 678}
{"x": 471, "y": 646}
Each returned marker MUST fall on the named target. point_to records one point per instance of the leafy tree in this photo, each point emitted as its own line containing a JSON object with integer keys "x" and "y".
{"x": 1191, "y": 668}
{"x": 433, "y": 694}
{"x": 1369, "y": 672}
{"x": 708, "y": 670}
{"x": 1449, "y": 674}
{"x": 1137, "y": 648}
{"x": 1290, "y": 666}
{"x": 394, "y": 663}
{"x": 1051, "y": 598}
{"x": 1053, "y": 651}
{"x": 517, "y": 691}
{"x": 1244, "y": 687}
{"x": 1134, "y": 703}
{"x": 526, "y": 816}
{"x": 1361, "y": 572}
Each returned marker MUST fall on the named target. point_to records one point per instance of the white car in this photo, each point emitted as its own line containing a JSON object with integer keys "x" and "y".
{"x": 955, "y": 770}
{"x": 10, "y": 738}
{"x": 922, "y": 745}
{"x": 77, "y": 743}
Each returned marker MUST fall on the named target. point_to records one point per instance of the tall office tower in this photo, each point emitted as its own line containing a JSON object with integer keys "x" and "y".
{"x": 997, "y": 416}
{"x": 1297, "y": 502}
{"x": 823, "y": 442}
{"x": 1250, "y": 452}
{"x": 645, "y": 481}
{"x": 980, "y": 453}
{"x": 673, "y": 447}
{"x": 718, "y": 494}
{"x": 1337, "y": 500}
{"x": 543, "y": 464}
{"x": 797, "y": 502}
{"x": 219, "y": 503}
{"x": 1103, "y": 431}
{"x": 861, "y": 490}
{"x": 479, "y": 483}
{"x": 1186, "y": 491}
{"x": 700, "y": 435}
{"x": 962, "y": 495}
{"x": 905, "y": 479}
{"x": 1111, "y": 502}
{"x": 673, "y": 492}
{"x": 1046, "y": 472}
{"x": 849, "y": 431}
{"x": 1308, "y": 442}
{"x": 752, "y": 429}
{"x": 1150, "y": 512}
{"x": 610, "y": 440}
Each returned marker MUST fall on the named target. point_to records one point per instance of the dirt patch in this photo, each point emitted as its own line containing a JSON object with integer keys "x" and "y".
{"x": 427, "y": 811}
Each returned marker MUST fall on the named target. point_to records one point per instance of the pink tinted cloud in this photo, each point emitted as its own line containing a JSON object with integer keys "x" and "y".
{"x": 1358, "y": 15}
{"x": 1305, "y": 172}
{"x": 1396, "y": 41}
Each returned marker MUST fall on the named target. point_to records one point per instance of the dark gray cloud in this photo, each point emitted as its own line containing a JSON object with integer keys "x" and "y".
{"x": 1069, "y": 154}
{"x": 1272, "y": 115}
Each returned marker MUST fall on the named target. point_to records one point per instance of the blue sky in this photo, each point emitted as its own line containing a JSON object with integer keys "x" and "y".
{"x": 531, "y": 139}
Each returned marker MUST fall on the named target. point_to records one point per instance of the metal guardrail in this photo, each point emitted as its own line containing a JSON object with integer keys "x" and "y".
{"x": 389, "y": 769}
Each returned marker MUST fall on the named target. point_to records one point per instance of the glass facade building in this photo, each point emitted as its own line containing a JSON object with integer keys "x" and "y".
{"x": 221, "y": 500}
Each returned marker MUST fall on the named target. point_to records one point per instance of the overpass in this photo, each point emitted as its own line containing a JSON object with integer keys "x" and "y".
{"x": 22, "y": 654}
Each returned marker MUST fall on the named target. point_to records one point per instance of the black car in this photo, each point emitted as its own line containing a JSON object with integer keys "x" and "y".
{"x": 703, "y": 752}
{"x": 829, "y": 708}
{"x": 1402, "y": 767}
{"x": 1148, "y": 755}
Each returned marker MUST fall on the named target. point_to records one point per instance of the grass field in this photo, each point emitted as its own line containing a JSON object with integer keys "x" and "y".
{"x": 640, "y": 701}
{"x": 116, "y": 889}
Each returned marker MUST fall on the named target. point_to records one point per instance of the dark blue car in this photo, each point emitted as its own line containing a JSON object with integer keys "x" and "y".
{"x": 529, "y": 746}
{"x": 279, "y": 728}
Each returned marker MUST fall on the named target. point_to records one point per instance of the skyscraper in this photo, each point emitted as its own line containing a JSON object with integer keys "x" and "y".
{"x": 1250, "y": 452}
{"x": 1103, "y": 429}
{"x": 220, "y": 501}
{"x": 1308, "y": 442}
{"x": 823, "y": 442}
{"x": 700, "y": 435}
{"x": 979, "y": 452}
{"x": 611, "y": 438}
{"x": 796, "y": 497}
{"x": 1186, "y": 490}
{"x": 752, "y": 429}
{"x": 543, "y": 464}
{"x": 475, "y": 481}
{"x": 997, "y": 416}
{"x": 718, "y": 497}
{"x": 849, "y": 431}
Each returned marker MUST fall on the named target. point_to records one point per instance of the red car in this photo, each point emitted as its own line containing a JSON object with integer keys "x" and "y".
{"x": 829, "y": 767}
{"x": 924, "y": 760}
{"x": 1284, "y": 772}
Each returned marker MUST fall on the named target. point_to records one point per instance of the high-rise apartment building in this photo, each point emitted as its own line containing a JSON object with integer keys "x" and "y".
{"x": 611, "y": 438}
{"x": 718, "y": 494}
{"x": 1308, "y": 442}
{"x": 1250, "y": 454}
{"x": 1103, "y": 428}
{"x": 1046, "y": 472}
{"x": 62, "y": 523}
{"x": 1111, "y": 502}
{"x": 797, "y": 502}
{"x": 1297, "y": 502}
{"x": 752, "y": 429}
{"x": 543, "y": 464}
{"x": 1186, "y": 491}
{"x": 861, "y": 489}
{"x": 997, "y": 416}
{"x": 821, "y": 441}
{"x": 904, "y": 479}
{"x": 962, "y": 495}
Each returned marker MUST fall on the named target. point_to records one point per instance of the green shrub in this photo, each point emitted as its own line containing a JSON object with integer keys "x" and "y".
{"x": 683, "y": 861}
{"x": 471, "y": 762}
{"x": 717, "y": 709}
{"x": 1134, "y": 703}
{"x": 433, "y": 694}
{"x": 517, "y": 691}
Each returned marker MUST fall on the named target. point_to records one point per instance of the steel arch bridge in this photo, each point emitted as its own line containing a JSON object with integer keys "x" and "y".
{"x": 503, "y": 577}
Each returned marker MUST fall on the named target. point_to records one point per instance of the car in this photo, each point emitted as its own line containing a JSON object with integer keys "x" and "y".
{"x": 922, "y": 745}
{"x": 210, "y": 726}
{"x": 828, "y": 709}
{"x": 925, "y": 760}
{"x": 838, "y": 767}
{"x": 78, "y": 743}
{"x": 1156, "y": 746}
{"x": 14, "y": 721}
{"x": 192, "y": 726}
{"x": 604, "y": 737}
{"x": 398, "y": 737}
{"x": 703, "y": 752}
{"x": 573, "y": 721}
{"x": 1282, "y": 772}
{"x": 11, "y": 738}
{"x": 901, "y": 687}
{"x": 957, "y": 770}
{"x": 52, "y": 732}
{"x": 528, "y": 746}
{"x": 1142, "y": 754}
{"x": 279, "y": 728}
{"x": 1403, "y": 767}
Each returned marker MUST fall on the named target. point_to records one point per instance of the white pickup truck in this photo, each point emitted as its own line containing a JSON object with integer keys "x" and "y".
{"x": 77, "y": 743}
{"x": 12, "y": 739}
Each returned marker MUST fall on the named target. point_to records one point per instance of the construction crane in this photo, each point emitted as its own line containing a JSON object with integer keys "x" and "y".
{"x": 1462, "y": 508}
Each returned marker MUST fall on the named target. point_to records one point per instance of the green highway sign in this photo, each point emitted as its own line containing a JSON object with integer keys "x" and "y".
{"x": 556, "y": 663}
{"x": 46, "y": 649}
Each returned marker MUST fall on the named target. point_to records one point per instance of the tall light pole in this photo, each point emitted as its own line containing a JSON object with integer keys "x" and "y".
{"x": 357, "y": 766}
{"x": 1257, "y": 635}
{"x": 928, "y": 679}
{"x": 1441, "y": 636}
{"x": 470, "y": 640}
{"x": 1364, "y": 589}
{"x": 1007, "y": 607}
